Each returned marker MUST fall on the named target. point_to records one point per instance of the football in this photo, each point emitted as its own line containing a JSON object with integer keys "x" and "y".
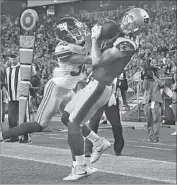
{"x": 109, "y": 30}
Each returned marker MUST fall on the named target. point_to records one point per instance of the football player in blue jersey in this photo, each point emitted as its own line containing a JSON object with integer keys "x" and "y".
{"x": 106, "y": 67}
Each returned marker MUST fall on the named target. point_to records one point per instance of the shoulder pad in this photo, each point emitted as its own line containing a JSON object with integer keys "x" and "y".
{"x": 125, "y": 44}
{"x": 62, "y": 51}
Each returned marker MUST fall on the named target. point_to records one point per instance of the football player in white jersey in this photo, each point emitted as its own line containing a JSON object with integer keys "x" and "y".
{"x": 106, "y": 67}
{"x": 71, "y": 56}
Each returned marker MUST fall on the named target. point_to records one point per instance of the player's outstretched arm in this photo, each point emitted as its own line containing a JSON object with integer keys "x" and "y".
{"x": 80, "y": 59}
{"x": 77, "y": 49}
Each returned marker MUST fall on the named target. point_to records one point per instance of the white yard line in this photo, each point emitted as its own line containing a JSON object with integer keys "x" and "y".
{"x": 55, "y": 135}
{"x": 62, "y": 138}
{"x": 155, "y": 148}
{"x": 140, "y": 146}
{"x": 173, "y": 145}
{"x": 128, "y": 166}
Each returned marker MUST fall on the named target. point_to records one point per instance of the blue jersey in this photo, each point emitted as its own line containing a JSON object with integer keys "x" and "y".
{"x": 109, "y": 71}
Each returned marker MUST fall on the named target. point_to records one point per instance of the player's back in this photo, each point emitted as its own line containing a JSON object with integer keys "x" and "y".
{"x": 107, "y": 72}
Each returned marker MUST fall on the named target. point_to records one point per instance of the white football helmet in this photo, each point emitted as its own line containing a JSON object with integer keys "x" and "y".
{"x": 134, "y": 20}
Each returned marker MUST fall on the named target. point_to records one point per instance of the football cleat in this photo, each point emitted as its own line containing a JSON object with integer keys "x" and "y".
{"x": 100, "y": 146}
{"x": 25, "y": 139}
{"x": 79, "y": 172}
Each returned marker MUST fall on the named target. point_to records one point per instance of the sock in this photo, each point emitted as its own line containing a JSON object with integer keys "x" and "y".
{"x": 92, "y": 137}
{"x": 1, "y": 138}
{"x": 74, "y": 163}
{"x": 72, "y": 153}
{"x": 22, "y": 129}
{"x": 86, "y": 130}
{"x": 75, "y": 139}
{"x": 80, "y": 160}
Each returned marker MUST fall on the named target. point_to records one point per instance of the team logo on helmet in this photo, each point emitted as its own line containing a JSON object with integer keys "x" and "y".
{"x": 28, "y": 19}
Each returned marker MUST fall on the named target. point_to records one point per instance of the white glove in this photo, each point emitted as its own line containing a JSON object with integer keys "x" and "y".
{"x": 96, "y": 31}
{"x": 112, "y": 100}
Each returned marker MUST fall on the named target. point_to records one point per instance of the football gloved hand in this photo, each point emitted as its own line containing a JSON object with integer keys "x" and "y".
{"x": 96, "y": 31}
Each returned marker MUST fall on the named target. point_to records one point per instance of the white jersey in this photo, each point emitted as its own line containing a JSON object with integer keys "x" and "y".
{"x": 67, "y": 75}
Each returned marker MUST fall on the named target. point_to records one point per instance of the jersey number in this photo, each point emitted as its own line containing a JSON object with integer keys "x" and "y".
{"x": 77, "y": 72}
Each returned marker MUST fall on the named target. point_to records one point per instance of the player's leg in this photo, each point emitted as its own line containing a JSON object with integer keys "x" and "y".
{"x": 86, "y": 131}
{"x": 46, "y": 110}
{"x": 93, "y": 124}
{"x": 29, "y": 127}
{"x": 13, "y": 109}
{"x": 71, "y": 106}
{"x": 49, "y": 107}
{"x": 92, "y": 98}
{"x": 66, "y": 108}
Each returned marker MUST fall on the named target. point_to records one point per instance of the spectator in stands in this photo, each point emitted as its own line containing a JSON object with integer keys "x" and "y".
{"x": 174, "y": 100}
{"x": 168, "y": 68}
{"x": 174, "y": 64}
{"x": 152, "y": 103}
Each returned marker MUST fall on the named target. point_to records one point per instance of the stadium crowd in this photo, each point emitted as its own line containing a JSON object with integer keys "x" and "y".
{"x": 158, "y": 45}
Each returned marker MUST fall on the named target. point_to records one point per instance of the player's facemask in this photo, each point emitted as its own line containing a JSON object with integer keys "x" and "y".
{"x": 134, "y": 21}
